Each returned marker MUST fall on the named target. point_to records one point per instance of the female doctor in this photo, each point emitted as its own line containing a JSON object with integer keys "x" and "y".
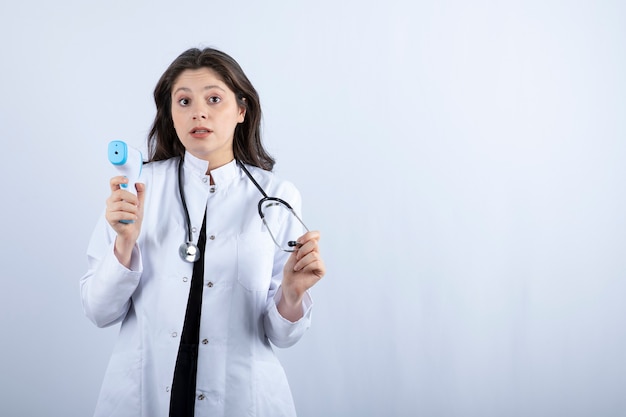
{"x": 195, "y": 333}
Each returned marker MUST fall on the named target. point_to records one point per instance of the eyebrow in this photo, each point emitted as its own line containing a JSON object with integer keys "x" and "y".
{"x": 207, "y": 87}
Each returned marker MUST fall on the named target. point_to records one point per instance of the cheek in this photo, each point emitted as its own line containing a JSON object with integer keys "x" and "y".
{"x": 177, "y": 120}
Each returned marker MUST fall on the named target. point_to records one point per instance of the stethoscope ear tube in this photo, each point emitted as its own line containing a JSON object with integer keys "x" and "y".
{"x": 266, "y": 198}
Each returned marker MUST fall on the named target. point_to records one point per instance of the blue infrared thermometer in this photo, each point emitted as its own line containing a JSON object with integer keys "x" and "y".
{"x": 128, "y": 161}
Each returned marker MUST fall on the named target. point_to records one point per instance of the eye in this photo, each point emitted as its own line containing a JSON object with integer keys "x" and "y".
{"x": 214, "y": 99}
{"x": 183, "y": 102}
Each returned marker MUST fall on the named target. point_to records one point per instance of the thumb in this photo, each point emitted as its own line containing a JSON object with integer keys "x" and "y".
{"x": 141, "y": 193}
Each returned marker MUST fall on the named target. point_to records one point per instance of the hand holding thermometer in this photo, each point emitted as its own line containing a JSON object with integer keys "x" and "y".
{"x": 128, "y": 162}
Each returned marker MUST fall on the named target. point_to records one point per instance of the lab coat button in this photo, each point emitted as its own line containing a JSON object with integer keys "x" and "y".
{"x": 212, "y": 237}
{"x": 201, "y": 397}
{"x": 205, "y": 179}
{"x": 167, "y": 389}
{"x": 209, "y": 284}
{"x": 185, "y": 279}
{"x": 174, "y": 334}
{"x": 194, "y": 229}
{"x": 212, "y": 189}
{"x": 205, "y": 341}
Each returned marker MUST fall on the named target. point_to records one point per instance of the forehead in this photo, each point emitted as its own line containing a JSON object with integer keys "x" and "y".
{"x": 198, "y": 78}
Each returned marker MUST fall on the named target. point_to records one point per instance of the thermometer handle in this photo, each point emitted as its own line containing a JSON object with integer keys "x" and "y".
{"x": 128, "y": 161}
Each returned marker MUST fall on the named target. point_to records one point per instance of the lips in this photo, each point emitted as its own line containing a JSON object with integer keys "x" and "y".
{"x": 200, "y": 132}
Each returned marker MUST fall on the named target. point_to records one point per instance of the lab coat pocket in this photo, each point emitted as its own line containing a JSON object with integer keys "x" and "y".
{"x": 255, "y": 260}
{"x": 120, "y": 394}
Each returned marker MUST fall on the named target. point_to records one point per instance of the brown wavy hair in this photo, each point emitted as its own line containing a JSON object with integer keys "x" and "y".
{"x": 163, "y": 143}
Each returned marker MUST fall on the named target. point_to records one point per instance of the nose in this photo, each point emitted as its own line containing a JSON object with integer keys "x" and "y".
{"x": 200, "y": 113}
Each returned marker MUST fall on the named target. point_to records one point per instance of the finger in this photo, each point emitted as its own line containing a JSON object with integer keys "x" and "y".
{"x": 121, "y": 211}
{"x": 123, "y": 195}
{"x": 140, "y": 187}
{"x": 115, "y": 217}
{"x": 311, "y": 235}
{"x": 122, "y": 206}
{"x": 123, "y": 201}
{"x": 141, "y": 193}
{"x": 314, "y": 269}
{"x": 117, "y": 212}
{"x": 307, "y": 247}
{"x": 312, "y": 262}
{"x": 115, "y": 182}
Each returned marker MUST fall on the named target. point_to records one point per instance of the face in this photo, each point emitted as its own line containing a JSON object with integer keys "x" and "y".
{"x": 205, "y": 113}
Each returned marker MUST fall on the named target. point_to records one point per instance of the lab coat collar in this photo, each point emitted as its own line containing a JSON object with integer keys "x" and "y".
{"x": 196, "y": 165}
{"x": 221, "y": 176}
{"x": 225, "y": 174}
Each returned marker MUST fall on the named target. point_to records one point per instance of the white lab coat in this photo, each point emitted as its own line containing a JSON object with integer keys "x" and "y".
{"x": 238, "y": 373}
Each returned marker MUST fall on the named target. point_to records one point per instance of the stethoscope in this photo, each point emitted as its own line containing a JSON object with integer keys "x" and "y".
{"x": 189, "y": 251}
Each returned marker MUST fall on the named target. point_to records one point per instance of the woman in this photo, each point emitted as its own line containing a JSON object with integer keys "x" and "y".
{"x": 193, "y": 339}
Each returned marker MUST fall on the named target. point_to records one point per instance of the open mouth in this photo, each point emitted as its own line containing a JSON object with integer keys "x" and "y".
{"x": 200, "y": 131}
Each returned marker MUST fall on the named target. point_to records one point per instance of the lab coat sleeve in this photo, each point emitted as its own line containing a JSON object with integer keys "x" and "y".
{"x": 107, "y": 287}
{"x": 280, "y": 331}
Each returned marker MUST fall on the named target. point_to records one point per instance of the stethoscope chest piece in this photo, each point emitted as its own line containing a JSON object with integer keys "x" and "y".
{"x": 189, "y": 252}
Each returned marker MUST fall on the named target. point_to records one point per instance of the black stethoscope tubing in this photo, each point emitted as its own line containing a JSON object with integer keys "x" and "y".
{"x": 188, "y": 251}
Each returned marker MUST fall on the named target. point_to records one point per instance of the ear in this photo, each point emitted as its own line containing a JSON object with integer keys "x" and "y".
{"x": 242, "y": 111}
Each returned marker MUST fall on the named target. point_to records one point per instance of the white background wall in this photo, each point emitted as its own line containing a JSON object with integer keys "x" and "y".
{"x": 464, "y": 161}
